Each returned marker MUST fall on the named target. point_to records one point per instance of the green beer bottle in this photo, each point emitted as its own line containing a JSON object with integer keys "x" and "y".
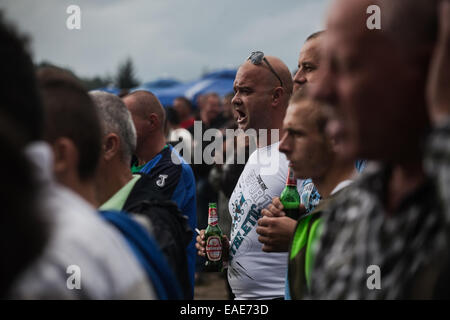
{"x": 290, "y": 197}
{"x": 213, "y": 240}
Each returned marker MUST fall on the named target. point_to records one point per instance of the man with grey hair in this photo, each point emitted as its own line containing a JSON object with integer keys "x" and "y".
{"x": 117, "y": 119}
{"x": 118, "y": 146}
{"x": 119, "y": 189}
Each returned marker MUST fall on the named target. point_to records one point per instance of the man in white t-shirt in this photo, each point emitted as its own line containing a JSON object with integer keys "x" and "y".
{"x": 262, "y": 87}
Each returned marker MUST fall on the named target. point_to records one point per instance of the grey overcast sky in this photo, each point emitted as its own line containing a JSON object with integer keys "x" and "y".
{"x": 165, "y": 38}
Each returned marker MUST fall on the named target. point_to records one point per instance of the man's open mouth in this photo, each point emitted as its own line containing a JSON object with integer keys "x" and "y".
{"x": 241, "y": 116}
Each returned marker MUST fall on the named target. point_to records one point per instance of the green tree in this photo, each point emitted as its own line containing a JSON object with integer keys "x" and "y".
{"x": 96, "y": 82}
{"x": 125, "y": 78}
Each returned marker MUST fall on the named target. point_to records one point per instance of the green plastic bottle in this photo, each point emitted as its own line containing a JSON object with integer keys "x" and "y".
{"x": 290, "y": 197}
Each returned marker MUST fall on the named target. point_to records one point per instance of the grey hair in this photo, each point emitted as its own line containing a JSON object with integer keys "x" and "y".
{"x": 116, "y": 118}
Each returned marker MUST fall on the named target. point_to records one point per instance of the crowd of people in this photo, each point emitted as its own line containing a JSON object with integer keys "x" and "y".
{"x": 90, "y": 183}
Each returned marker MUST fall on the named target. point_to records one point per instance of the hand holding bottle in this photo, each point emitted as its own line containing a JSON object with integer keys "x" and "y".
{"x": 212, "y": 244}
{"x": 275, "y": 229}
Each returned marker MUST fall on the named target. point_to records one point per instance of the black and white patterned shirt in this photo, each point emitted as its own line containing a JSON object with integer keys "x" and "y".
{"x": 407, "y": 251}
{"x": 437, "y": 162}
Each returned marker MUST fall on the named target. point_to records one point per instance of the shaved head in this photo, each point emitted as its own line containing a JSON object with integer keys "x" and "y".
{"x": 341, "y": 11}
{"x": 283, "y": 72}
{"x": 145, "y": 103}
{"x": 149, "y": 119}
{"x": 412, "y": 24}
{"x": 269, "y": 78}
{"x": 375, "y": 79}
{"x": 260, "y": 101}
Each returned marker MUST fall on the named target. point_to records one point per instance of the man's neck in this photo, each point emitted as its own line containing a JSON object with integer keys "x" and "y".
{"x": 276, "y": 126}
{"x": 151, "y": 149}
{"x": 269, "y": 138}
{"x": 111, "y": 183}
{"x": 405, "y": 179}
{"x": 84, "y": 188}
{"x": 88, "y": 192}
{"x": 336, "y": 174}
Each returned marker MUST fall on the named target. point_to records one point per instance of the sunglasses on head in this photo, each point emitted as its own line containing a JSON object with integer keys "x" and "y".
{"x": 257, "y": 58}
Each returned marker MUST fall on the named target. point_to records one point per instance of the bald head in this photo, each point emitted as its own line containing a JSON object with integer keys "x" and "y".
{"x": 143, "y": 104}
{"x": 266, "y": 76}
{"x": 348, "y": 13}
{"x": 408, "y": 28}
{"x": 260, "y": 101}
{"x": 376, "y": 78}
{"x": 149, "y": 120}
{"x": 283, "y": 72}
{"x": 410, "y": 24}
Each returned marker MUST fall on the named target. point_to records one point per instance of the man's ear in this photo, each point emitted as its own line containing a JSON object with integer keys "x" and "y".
{"x": 334, "y": 144}
{"x": 277, "y": 96}
{"x": 65, "y": 157}
{"x": 111, "y": 146}
{"x": 155, "y": 123}
{"x": 337, "y": 144}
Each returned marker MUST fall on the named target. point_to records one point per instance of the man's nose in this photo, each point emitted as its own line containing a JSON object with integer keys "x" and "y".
{"x": 284, "y": 145}
{"x": 299, "y": 77}
{"x": 236, "y": 101}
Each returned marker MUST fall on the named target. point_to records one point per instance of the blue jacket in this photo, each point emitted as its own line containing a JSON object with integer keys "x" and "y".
{"x": 175, "y": 181}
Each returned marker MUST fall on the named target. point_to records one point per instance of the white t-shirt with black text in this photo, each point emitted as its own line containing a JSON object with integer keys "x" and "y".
{"x": 252, "y": 273}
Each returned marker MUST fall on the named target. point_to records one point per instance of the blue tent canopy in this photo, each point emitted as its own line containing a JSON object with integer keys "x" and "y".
{"x": 220, "y": 82}
{"x": 158, "y": 84}
{"x": 112, "y": 90}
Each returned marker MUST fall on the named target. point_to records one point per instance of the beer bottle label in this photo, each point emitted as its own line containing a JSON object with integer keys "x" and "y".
{"x": 213, "y": 218}
{"x": 214, "y": 248}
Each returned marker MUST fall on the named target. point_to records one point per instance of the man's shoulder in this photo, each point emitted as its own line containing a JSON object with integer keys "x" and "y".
{"x": 170, "y": 158}
{"x": 80, "y": 237}
{"x": 76, "y": 223}
{"x": 368, "y": 185}
{"x": 269, "y": 157}
{"x": 166, "y": 163}
{"x": 164, "y": 180}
